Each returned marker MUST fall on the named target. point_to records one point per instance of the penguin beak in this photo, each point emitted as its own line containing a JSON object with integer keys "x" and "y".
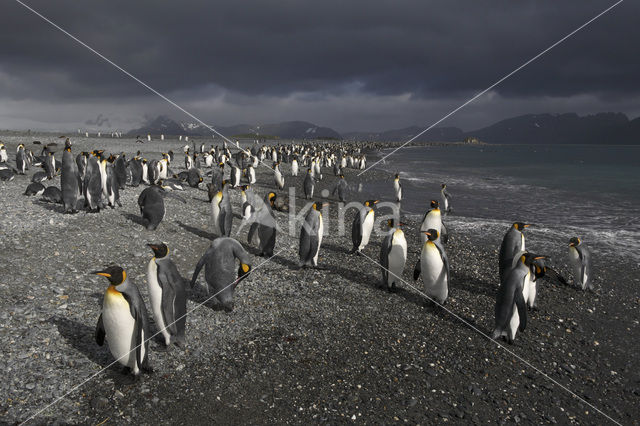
{"x": 104, "y": 274}
{"x": 400, "y": 224}
{"x": 427, "y": 233}
{"x": 526, "y": 225}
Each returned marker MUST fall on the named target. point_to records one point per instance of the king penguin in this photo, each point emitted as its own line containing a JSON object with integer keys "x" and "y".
{"x": 93, "y": 185}
{"x": 277, "y": 175}
{"x": 264, "y": 226}
{"x": 294, "y": 166}
{"x": 433, "y": 220}
{"x": 580, "y": 259}
{"x": 362, "y": 226}
{"x": 445, "y": 197}
{"x": 341, "y": 188}
{"x": 21, "y": 160}
{"x": 311, "y": 236}
{"x": 308, "y": 185}
{"x": 221, "y": 212}
{"x": 434, "y": 267}
{"x": 512, "y": 244}
{"x": 511, "y": 308}
{"x": 220, "y": 270}
{"x": 151, "y": 205}
{"x": 393, "y": 256}
{"x": 69, "y": 180}
{"x": 397, "y": 187}
{"x": 167, "y": 295}
{"x": 123, "y": 322}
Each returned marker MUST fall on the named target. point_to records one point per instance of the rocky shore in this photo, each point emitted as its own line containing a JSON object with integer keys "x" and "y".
{"x": 301, "y": 346}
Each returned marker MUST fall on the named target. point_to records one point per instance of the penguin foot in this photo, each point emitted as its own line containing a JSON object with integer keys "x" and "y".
{"x": 126, "y": 370}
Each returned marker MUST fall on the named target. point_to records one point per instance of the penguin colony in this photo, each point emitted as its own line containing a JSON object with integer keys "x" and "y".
{"x": 91, "y": 181}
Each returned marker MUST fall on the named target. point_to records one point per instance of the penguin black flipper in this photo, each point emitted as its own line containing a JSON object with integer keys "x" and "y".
{"x": 384, "y": 257}
{"x": 141, "y": 327}
{"x": 445, "y": 259}
{"x": 100, "y": 332}
{"x": 417, "y": 270}
{"x": 444, "y": 234}
{"x": 356, "y": 236}
{"x": 252, "y": 230}
{"x": 522, "y": 309}
{"x": 167, "y": 304}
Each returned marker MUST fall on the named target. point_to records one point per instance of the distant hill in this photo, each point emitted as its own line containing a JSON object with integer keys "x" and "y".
{"x": 570, "y": 128}
{"x": 440, "y": 134}
{"x": 603, "y": 128}
{"x": 285, "y": 130}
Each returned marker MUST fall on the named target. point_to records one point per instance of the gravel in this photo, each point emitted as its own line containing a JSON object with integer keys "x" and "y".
{"x": 301, "y": 345}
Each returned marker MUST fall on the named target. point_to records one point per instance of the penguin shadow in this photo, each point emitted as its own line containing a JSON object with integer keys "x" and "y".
{"x": 199, "y": 295}
{"x": 335, "y": 248}
{"x": 473, "y": 285}
{"x": 281, "y": 260}
{"x": 58, "y": 208}
{"x": 137, "y": 219}
{"x": 196, "y": 231}
{"x": 81, "y": 337}
{"x": 354, "y": 276}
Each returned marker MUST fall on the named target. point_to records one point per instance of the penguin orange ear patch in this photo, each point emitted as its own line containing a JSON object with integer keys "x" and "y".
{"x": 245, "y": 268}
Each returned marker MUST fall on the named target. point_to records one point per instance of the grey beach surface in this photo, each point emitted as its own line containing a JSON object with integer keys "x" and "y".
{"x": 311, "y": 345}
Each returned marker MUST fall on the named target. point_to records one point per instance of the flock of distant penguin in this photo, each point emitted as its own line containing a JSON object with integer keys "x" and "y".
{"x": 93, "y": 181}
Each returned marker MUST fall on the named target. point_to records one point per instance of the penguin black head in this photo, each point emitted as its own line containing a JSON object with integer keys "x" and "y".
{"x": 432, "y": 234}
{"x": 244, "y": 187}
{"x": 444, "y": 185}
{"x": 272, "y": 197}
{"x": 371, "y": 203}
{"x": 67, "y": 145}
{"x": 159, "y": 250}
{"x": 392, "y": 223}
{"x": 520, "y": 226}
{"x": 532, "y": 259}
{"x": 341, "y": 176}
{"x": 318, "y": 206}
{"x": 397, "y": 175}
{"x": 435, "y": 204}
{"x": 115, "y": 274}
{"x": 574, "y": 241}
{"x": 111, "y": 158}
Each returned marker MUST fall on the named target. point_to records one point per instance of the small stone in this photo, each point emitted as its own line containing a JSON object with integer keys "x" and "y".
{"x": 99, "y": 403}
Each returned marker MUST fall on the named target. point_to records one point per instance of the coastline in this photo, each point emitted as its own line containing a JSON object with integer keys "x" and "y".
{"x": 307, "y": 345}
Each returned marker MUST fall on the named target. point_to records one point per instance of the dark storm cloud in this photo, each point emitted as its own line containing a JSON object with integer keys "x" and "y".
{"x": 429, "y": 50}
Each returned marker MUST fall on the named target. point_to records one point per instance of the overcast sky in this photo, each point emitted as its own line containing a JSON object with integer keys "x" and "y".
{"x": 349, "y": 65}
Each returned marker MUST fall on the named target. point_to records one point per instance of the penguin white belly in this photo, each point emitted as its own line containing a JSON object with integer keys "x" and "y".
{"x": 433, "y": 274}
{"x": 514, "y": 323}
{"x": 397, "y": 257}
{"x": 252, "y": 176}
{"x": 103, "y": 179}
{"x": 320, "y": 232}
{"x": 529, "y": 290}
{"x": 294, "y": 168}
{"x": 237, "y": 178}
{"x": 522, "y": 248}
{"x": 215, "y": 211}
{"x": 119, "y": 327}
{"x": 145, "y": 173}
{"x": 155, "y": 297}
{"x": 445, "y": 202}
{"x": 398, "y": 190}
{"x": 365, "y": 230}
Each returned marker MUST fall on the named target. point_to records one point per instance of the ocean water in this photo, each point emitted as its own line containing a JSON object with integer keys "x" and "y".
{"x": 565, "y": 190}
